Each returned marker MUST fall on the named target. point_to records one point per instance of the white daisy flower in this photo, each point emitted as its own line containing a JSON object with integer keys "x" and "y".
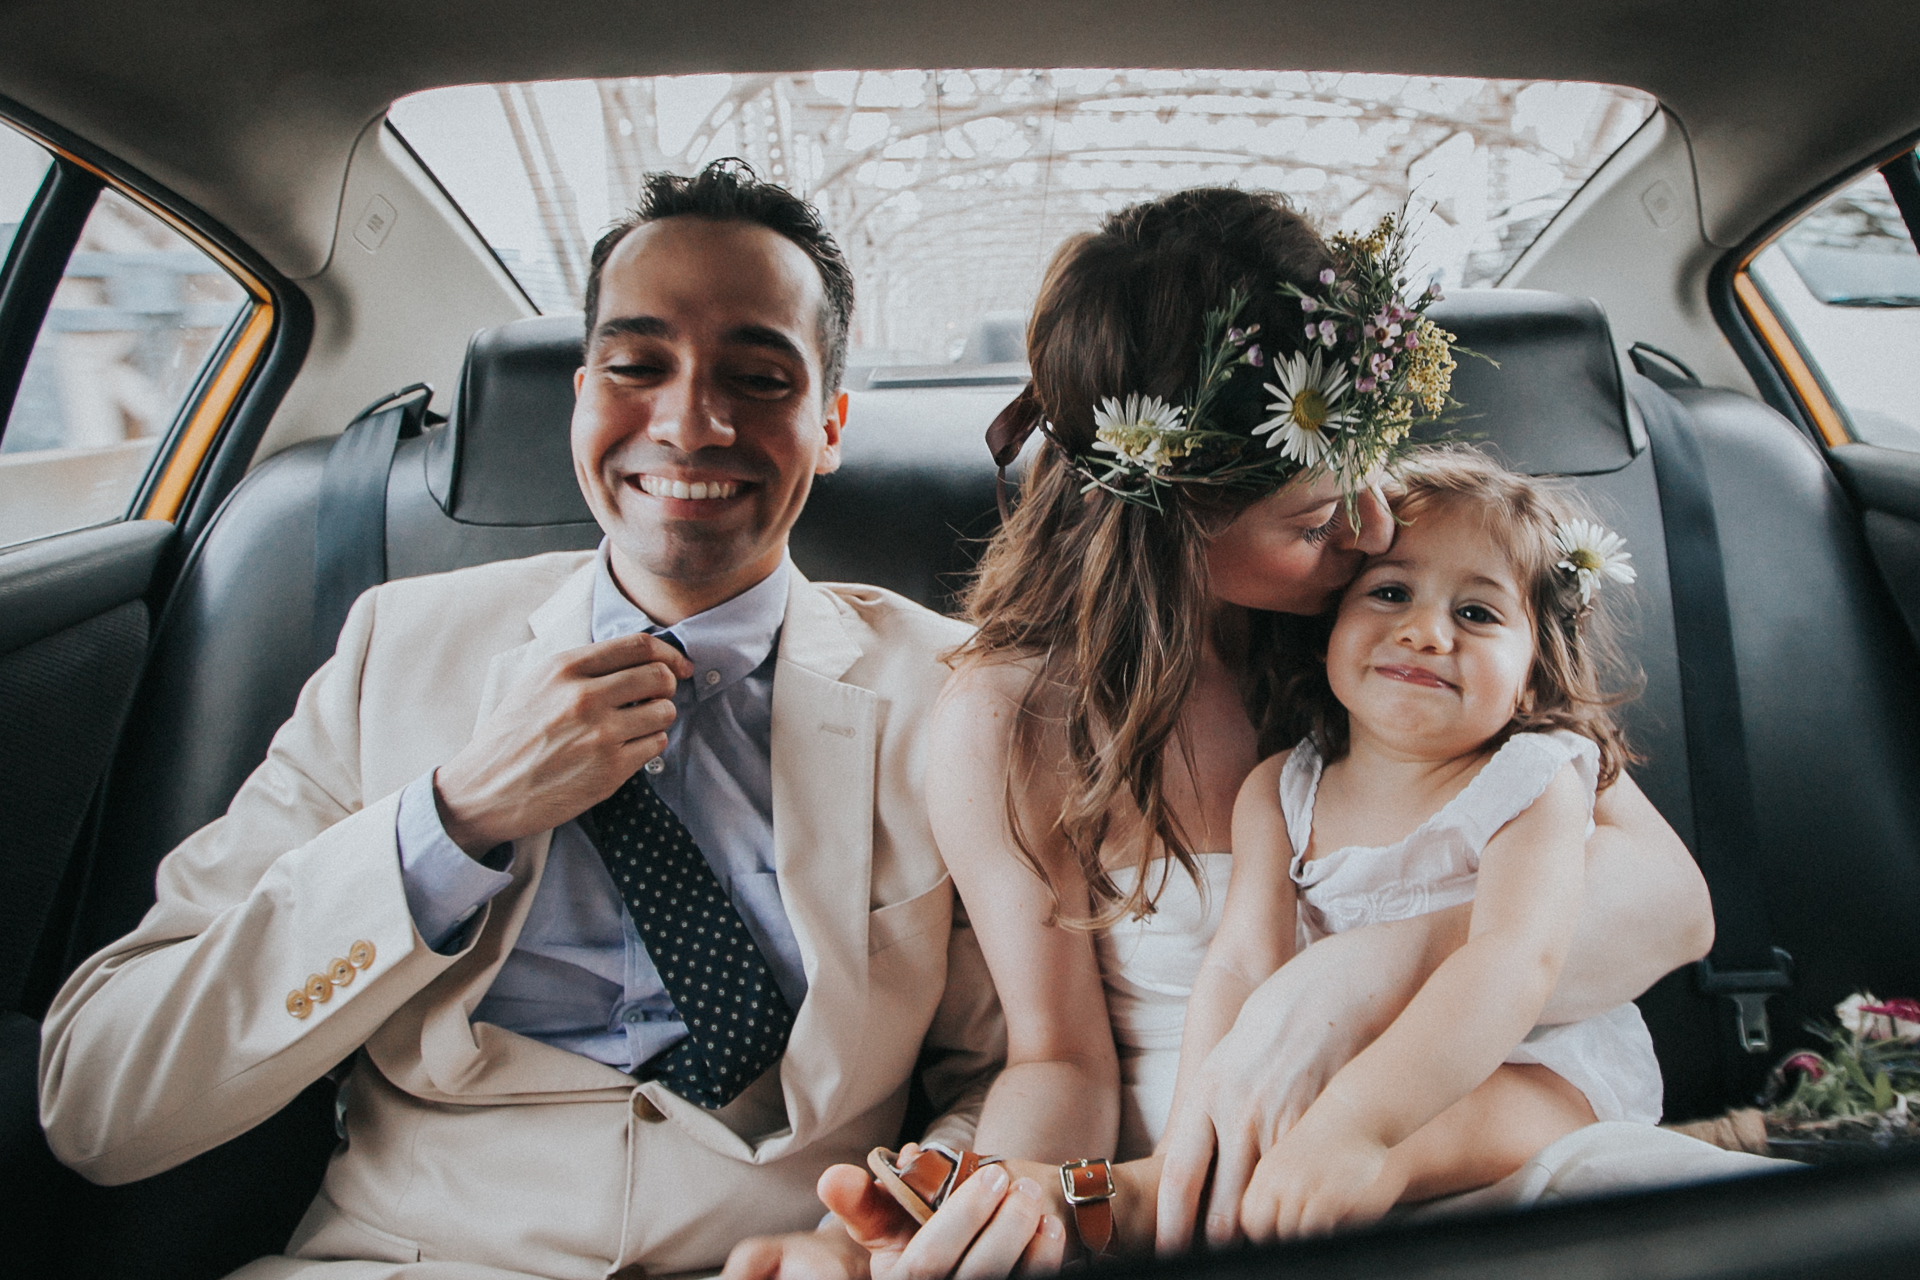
{"x": 1139, "y": 430}
{"x": 1307, "y": 407}
{"x": 1591, "y": 551}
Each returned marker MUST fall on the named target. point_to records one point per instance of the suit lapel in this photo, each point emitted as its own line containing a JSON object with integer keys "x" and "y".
{"x": 564, "y": 622}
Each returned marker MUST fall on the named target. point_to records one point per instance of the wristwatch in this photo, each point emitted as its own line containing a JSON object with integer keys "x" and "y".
{"x": 1088, "y": 1187}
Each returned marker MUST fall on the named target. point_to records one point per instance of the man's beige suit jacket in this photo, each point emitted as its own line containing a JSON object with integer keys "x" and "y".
{"x": 469, "y": 1146}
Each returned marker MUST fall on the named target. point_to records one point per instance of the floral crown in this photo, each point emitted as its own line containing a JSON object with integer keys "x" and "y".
{"x": 1372, "y": 369}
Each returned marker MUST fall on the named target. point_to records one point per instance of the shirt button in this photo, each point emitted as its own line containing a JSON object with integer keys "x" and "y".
{"x": 655, "y": 765}
{"x": 633, "y": 1017}
{"x": 713, "y": 677}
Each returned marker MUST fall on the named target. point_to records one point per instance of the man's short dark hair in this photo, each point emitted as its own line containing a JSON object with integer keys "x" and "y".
{"x": 730, "y": 191}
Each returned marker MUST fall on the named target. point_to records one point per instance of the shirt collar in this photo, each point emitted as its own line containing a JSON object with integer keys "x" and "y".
{"x": 726, "y": 643}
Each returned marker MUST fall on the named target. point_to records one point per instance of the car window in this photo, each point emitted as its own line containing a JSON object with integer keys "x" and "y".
{"x": 1845, "y": 280}
{"x": 137, "y": 317}
{"x": 23, "y": 167}
{"x": 949, "y": 190}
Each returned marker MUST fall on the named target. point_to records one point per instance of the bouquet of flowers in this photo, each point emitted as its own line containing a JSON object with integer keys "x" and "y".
{"x": 1865, "y": 1086}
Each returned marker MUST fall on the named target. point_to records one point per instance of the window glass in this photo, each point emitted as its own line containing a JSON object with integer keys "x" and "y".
{"x": 23, "y": 167}
{"x": 138, "y": 314}
{"x": 1847, "y": 279}
{"x": 949, "y": 190}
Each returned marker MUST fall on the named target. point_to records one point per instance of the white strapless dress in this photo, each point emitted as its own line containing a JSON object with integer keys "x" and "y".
{"x": 1148, "y": 967}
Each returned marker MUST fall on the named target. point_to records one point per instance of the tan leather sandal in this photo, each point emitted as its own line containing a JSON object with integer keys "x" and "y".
{"x": 925, "y": 1182}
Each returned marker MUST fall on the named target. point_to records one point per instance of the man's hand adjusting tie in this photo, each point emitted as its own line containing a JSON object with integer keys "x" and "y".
{"x": 561, "y": 741}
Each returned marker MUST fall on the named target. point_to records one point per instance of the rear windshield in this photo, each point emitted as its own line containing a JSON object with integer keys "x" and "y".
{"x": 949, "y": 190}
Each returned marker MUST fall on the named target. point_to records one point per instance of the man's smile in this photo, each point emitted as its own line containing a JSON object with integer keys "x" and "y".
{"x": 710, "y": 490}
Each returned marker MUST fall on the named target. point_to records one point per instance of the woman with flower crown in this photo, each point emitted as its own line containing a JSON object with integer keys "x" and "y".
{"x": 1219, "y": 393}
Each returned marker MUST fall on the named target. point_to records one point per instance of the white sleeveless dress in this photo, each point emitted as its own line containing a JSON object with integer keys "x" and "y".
{"x": 1608, "y": 1057}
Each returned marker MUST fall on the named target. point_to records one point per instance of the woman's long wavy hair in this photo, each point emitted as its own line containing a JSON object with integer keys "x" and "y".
{"x": 1111, "y": 599}
{"x": 1579, "y": 674}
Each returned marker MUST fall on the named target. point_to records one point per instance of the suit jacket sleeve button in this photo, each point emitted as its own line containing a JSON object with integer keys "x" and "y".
{"x": 297, "y": 1003}
{"x": 319, "y": 990}
{"x": 360, "y": 954}
{"x": 340, "y": 973}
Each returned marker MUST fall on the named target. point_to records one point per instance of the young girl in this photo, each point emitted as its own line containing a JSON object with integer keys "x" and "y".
{"x": 1459, "y": 732}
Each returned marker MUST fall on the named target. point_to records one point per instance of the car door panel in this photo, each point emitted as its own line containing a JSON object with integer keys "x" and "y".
{"x": 73, "y": 640}
{"x": 1885, "y": 485}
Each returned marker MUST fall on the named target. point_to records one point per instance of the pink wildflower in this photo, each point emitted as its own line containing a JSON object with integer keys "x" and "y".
{"x": 1807, "y": 1062}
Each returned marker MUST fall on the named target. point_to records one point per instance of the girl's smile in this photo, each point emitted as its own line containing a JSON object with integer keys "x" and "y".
{"x": 1413, "y": 675}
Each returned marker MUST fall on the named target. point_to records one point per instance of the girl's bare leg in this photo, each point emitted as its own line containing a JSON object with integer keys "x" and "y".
{"x": 1488, "y": 1134}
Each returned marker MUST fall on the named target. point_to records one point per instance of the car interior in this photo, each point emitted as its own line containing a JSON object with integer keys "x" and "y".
{"x": 379, "y": 397}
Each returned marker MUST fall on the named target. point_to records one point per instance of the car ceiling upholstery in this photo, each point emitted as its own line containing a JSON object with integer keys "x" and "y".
{"x": 250, "y": 108}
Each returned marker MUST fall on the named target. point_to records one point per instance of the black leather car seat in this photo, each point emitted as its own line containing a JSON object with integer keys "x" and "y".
{"x": 1824, "y": 667}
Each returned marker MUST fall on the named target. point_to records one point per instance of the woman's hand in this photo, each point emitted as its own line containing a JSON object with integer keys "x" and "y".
{"x": 1293, "y": 1034}
{"x": 991, "y": 1226}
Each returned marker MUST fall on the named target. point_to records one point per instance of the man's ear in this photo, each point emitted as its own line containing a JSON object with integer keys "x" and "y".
{"x": 836, "y": 423}
{"x": 579, "y": 380}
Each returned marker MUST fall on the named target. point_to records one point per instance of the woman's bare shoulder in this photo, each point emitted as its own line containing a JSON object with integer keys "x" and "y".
{"x": 987, "y": 694}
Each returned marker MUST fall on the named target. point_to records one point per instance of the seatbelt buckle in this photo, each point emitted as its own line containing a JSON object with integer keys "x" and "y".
{"x": 1749, "y": 990}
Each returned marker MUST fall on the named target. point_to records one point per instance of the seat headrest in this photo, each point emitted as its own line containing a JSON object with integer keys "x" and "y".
{"x": 1550, "y": 398}
{"x": 1555, "y": 403}
{"x": 503, "y": 458}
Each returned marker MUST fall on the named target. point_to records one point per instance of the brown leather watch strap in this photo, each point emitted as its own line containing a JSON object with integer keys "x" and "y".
{"x": 1088, "y": 1187}
{"x": 924, "y": 1183}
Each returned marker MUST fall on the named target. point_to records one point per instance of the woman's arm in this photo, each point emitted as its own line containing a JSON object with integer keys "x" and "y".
{"x": 1646, "y": 909}
{"x": 1059, "y": 1096}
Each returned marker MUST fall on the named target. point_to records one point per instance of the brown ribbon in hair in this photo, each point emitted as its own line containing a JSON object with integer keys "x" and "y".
{"x": 1007, "y": 434}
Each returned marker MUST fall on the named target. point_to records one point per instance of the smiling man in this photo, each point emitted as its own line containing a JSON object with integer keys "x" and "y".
{"x": 609, "y": 873}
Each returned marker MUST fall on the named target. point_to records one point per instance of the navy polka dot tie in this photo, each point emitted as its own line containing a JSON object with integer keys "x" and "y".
{"x": 720, "y": 983}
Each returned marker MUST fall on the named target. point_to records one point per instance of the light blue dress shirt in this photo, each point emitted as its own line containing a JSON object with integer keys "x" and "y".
{"x": 579, "y": 977}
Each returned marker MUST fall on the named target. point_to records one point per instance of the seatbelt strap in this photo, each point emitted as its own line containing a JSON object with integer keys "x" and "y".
{"x": 1744, "y": 965}
{"x": 350, "y": 529}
